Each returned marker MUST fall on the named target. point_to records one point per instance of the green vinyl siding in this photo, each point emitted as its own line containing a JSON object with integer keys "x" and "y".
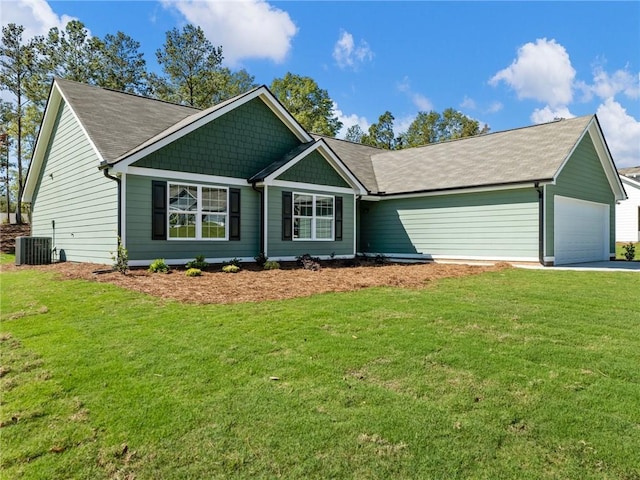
{"x": 582, "y": 177}
{"x": 500, "y": 224}
{"x": 74, "y": 193}
{"x": 314, "y": 169}
{"x": 237, "y": 144}
{"x": 138, "y": 227}
{"x": 278, "y": 248}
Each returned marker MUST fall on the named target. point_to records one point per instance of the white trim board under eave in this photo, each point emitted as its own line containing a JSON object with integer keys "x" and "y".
{"x": 185, "y": 176}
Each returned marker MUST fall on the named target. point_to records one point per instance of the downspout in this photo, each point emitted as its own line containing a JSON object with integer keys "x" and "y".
{"x": 117, "y": 180}
{"x": 540, "y": 191}
{"x": 262, "y": 222}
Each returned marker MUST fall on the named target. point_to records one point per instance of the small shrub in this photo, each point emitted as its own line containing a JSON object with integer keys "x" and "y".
{"x": 261, "y": 259}
{"x": 159, "y": 266}
{"x": 193, "y": 272}
{"x": 235, "y": 262}
{"x": 271, "y": 265}
{"x": 308, "y": 262}
{"x": 120, "y": 258}
{"x": 198, "y": 263}
{"x": 629, "y": 251}
{"x": 231, "y": 268}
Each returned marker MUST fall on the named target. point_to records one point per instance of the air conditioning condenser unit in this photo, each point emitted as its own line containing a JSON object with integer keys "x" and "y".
{"x": 33, "y": 250}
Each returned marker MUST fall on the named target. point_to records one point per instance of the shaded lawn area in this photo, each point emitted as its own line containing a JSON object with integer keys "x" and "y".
{"x": 508, "y": 374}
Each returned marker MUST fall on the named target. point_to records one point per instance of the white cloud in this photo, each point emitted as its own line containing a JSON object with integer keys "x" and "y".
{"x": 349, "y": 55}
{"x": 244, "y": 28}
{"x": 622, "y": 132}
{"x": 607, "y": 85}
{"x": 349, "y": 121}
{"x": 548, "y": 114}
{"x": 468, "y": 103}
{"x": 422, "y": 103}
{"x": 495, "y": 107}
{"x": 36, "y": 16}
{"x": 542, "y": 71}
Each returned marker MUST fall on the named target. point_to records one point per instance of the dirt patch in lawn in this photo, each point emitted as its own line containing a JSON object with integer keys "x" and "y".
{"x": 254, "y": 285}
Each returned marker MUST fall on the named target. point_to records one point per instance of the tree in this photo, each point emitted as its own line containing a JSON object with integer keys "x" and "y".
{"x": 432, "y": 127}
{"x": 189, "y": 62}
{"x": 72, "y": 53}
{"x": 310, "y": 105}
{"x": 354, "y": 134}
{"x": 123, "y": 66}
{"x": 230, "y": 84}
{"x": 381, "y": 134}
{"x": 17, "y": 63}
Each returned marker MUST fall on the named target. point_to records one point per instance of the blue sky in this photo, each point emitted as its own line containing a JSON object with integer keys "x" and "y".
{"x": 506, "y": 64}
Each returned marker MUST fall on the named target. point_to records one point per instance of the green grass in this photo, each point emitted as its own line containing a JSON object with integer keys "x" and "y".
{"x": 512, "y": 374}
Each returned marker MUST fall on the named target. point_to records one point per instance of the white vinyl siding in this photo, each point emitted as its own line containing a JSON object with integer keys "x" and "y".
{"x": 628, "y": 213}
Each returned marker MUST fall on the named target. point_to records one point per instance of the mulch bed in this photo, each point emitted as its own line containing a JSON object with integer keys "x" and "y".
{"x": 254, "y": 285}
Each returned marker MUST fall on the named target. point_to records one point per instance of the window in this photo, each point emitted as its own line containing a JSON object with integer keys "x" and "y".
{"x": 313, "y": 217}
{"x": 197, "y": 212}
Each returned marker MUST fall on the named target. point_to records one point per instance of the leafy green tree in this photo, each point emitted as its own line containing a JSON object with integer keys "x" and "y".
{"x": 433, "y": 127}
{"x": 229, "y": 84}
{"x": 123, "y": 65}
{"x": 381, "y": 134}
{"x": 309, "y": 104}
{"x": 189, "y": 62}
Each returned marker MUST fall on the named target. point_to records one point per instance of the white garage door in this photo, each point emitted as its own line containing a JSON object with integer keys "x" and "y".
{"x": 581, "y": 232}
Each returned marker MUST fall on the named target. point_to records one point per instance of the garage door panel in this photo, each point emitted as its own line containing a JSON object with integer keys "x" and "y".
{"x": 580, "y": 231}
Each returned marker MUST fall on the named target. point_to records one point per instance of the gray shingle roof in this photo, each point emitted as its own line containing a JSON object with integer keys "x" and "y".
{"x": 117, "y": 122}
{"x": 514, "y": 156}
{"x": 632, "y": 172}
{"x": 357, "y": 158}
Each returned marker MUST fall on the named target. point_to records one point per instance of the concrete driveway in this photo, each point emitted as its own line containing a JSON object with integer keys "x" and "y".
{"x": 617, "y": 266}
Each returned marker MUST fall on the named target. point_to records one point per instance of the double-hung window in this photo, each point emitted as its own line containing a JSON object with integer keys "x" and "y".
{"x": 313, "y": 217}
{"x": 198, "y": 212}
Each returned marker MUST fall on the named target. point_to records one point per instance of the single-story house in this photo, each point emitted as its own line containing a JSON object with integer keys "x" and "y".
{"x": 243, "y": 177}
{"x": 628, "y": 211}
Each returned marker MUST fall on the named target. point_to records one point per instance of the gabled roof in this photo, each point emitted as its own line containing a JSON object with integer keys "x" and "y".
{"x": 268, "y": 174}
{"x": 519, "y": 156}
{"x": 116, "y": 122}
{"x": 357, "y": 158}
{"x": 522, "y": 155}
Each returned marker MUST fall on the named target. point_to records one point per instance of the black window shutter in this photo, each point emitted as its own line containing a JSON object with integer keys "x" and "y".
{"x": 158, "y": 210}
{"x": 287, "y": 216}
{"x": 234, "y": 214}
{"x": 338, "y": 218}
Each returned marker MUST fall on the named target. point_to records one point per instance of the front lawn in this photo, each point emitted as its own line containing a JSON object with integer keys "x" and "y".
{"x": 506, "y": 374}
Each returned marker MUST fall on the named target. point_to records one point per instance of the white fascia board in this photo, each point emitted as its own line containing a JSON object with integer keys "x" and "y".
{"x": 309, "y": 186}
{"x": 437, "y": 193}
{"x": 330, "y": 157}
{"x": 185, "y": 176}
{"x": 262, "y": 93}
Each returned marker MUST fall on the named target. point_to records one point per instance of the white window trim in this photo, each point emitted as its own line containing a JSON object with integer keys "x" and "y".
{"x": 198, "y": 213}
{"x": 313, "y": 218}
